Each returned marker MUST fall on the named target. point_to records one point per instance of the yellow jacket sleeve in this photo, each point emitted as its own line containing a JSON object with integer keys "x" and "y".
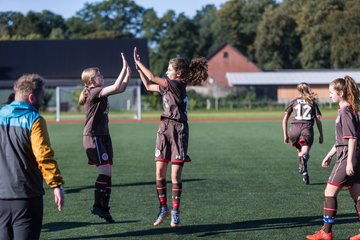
{"x": 44, "y": 154}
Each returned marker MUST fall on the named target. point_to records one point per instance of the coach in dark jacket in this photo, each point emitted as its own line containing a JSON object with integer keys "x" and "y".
{"x": 26, "y": 159}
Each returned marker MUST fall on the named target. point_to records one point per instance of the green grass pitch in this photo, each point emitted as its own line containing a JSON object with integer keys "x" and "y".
{"x": 242, "y": 184}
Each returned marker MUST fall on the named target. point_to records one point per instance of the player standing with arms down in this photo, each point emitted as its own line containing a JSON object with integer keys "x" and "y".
{"x": 346, "y": 171}
{"x": 96, "y": 137}
{"x": 173, "y": 132}
{"x": 301, "y": 132}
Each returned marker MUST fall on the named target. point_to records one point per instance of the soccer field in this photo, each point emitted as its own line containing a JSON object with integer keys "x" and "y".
{"x": 243, "y": 183}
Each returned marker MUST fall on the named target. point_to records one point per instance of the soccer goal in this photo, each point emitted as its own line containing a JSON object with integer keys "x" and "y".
{"x": 66, "y": 100}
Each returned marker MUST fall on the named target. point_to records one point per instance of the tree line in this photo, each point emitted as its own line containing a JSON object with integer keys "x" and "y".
{"x": 288, "y": 34}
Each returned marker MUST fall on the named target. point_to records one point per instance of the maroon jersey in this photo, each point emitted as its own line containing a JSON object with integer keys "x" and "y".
{"x": 347, "y": 126}
{"x": 96, "y": 109}
{"x": 303, "y": 111}
{"x": 174, "y": 100}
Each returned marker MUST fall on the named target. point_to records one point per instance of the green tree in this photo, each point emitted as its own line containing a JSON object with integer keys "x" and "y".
{"x": 238, "y": 21}
{"x": 56, "y": 33}
{"x": 7, "y": 21}
{"x": 123, "y": 16}
{"x": 77, "y": 28}
{"x": 345, "y": 36}
{"x": 40, "y": 24}
{"x": 205, "y": 23}
{"x": 102, "y": 34}
{"x": 178, "y": 40}
{"x": 277, "y": 43}
{"x": 312, "y": 19}
{"x": 151, "y": 28}
{"x": 37, "y": 23}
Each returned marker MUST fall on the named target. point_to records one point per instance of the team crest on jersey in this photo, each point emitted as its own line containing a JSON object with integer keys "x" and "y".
{"x": 157, "y": 153}
{"x": 105, "y": 156}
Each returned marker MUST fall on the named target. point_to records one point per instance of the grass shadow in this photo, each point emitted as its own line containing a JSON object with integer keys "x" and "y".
{"x": 79, "y": 189}
{"x": 205, "y": 230}
{"x": 59, "y": 226}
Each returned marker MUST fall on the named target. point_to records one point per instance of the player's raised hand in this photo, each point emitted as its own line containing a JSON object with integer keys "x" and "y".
{"x": 125, "y": 64}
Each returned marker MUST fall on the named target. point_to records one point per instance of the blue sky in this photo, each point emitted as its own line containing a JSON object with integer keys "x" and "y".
{"x": 68, "y": 8}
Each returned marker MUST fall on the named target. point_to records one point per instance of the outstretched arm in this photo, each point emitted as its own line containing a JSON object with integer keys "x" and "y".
{"x": 149, "y": 86}
{"x": 120, "y": 83}
{"x": 151, "y": 76}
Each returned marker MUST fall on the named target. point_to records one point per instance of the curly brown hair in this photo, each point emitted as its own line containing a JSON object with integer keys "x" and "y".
{"x": 194, "y": 73}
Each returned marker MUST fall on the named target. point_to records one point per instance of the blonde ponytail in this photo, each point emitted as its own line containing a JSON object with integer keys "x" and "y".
{"x": 83, "y": 96}
{"x": 86, "y": 76}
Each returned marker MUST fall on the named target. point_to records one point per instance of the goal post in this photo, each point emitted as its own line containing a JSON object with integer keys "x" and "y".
{"x": 66, "y": 100}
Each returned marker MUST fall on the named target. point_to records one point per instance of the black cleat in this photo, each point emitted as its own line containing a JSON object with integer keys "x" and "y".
{"x": 306, "y": 179}
{"x": 102, "y": 213}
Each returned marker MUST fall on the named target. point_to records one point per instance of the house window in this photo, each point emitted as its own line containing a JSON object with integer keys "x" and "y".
{"x": 226, "y": 55}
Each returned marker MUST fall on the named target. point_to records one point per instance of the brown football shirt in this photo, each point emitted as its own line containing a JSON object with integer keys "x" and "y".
{"x": 346, "y": 126}
{"x": 96, "y": 109}
{"x": 174, "y": 100}
{"x": 303, "y": 111}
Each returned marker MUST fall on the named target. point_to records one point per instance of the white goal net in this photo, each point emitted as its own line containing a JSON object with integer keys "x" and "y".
{"x": 66, "y": 100}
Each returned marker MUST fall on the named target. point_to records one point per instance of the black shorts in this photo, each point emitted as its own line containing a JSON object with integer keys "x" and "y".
{"x": 172, "y": 142}
{"x": 98, "y": 150}
{"x": 301, "y": 135}
{"x": 338, "y": 175}
{"x": 21, "y": 218}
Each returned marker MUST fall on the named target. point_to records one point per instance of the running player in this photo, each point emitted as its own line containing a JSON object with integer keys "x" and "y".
{"x": 173, "y": 132}
{"x": 346, "y": 171}
{"x": 96, "y": 136}
{"x": 301, "y": 133}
